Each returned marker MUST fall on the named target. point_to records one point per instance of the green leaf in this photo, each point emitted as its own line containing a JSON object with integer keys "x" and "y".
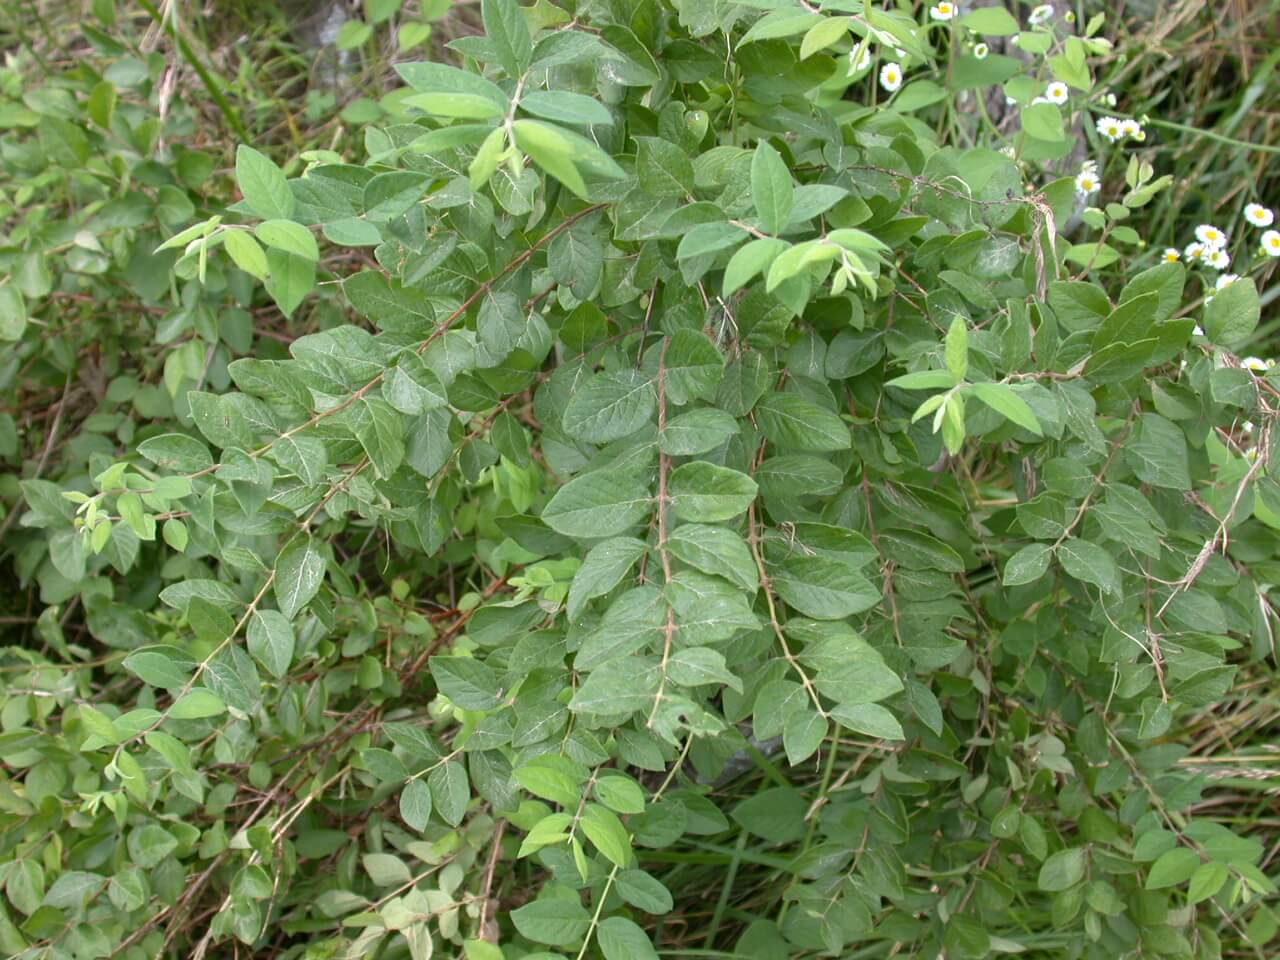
{"x": 821, "y": 588}
{"x": 1003, "y": 399}
{"x": 693, "y": 367}
{"x": 553, "y": 778}
{"x": 715, "y": 550}
{"x": 564, "y": 107}
{"x": 263, "y": 184}
{"x": 299, "y": 572}
{"x": 1130, "y": 322}
{"x": 991, "y": 22}
{"x": 957, "y": 349}
{"x": 411, "y": 387}
{"x": 771, "y": 188}
{"x": 663, "y": 168}
{"x": 288, "y": 236}
{"x": 620, "y": 794}
{"x": 160, "y": 666}
{"x": 803, "y": 733}
{"x": 556, "y": 922}
{"x": 610, "y": 406}
{"x": 466, "y": 682}
{"x": 506, "y": 29}
{"x": 870, "y": 719}
{"x": 607, "y": 834}
{"x": 696, "y": 432}
{"x": 791, "y": 421}
{"x": 1063, "y": 870}
{"x": 923, "y": 380}
{"x": 618, "y": 687}
{"x": 385, "y": 869}
{"x": 621, "y": 939}
{"x": 75, "y": 888}
{"x": 1157, "y": 453}
{"x": 1172, "y": 868}
{"x": 643, "y": 892}
{"x": 378, "y": 427}
{"x": 564, "y": 154}
{"x": 702, "y": 491}
{"x": 636, "y": 620}
{"x": 775, "y": 815}
{"x": 599, "y": 504}
{"x": 695, "y": 666}
{"x": 450, "y": 791}
{"x": 271, "y": 641}
{"x": 449, "y": 92}
{"x": 196, "y": 705}
{"x": 1027, "y": 565}
{"x": 415, "y": 804}
{"x": 708, "y": 238}
{"x": 749, "y": 261}
{"x": 1232, "y": 316}
{"x": 246, "y": 253}
{"x": 1091, "y": 563}
{"x": 602, "y": 569}
{"x": 1207, "y": 880}
{"x": 290, "y": 279}
{"x": 234, "y": 678}
{"x": 1043, "y": 121}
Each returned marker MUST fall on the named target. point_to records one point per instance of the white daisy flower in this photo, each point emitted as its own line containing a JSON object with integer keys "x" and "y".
{"x": 943, "y": 11}
{"x": 1110, "y": 128}
{"x": 1257, "y": 364}
{"x": 1040, "y": 14}
{"x": 1087, "y": 182}
{"x": 891, "y": 76}
{"x": 1211, "y": 236}
{"x": 1225, "y": 280}
{"x": 1197, "y": 331}
{"x": 859, "y": 58}
{"x": 1057, "y": 92}
{"x": 1171, "y": 255}
{"x": 1193, "y": 251}
{"x": 981, "y": 50}
{"x": 1271, "y": 243}
{"x": 1132, "y": 129}
{"x": 1258, "y": 215}
{"x": 1218, "y": 259}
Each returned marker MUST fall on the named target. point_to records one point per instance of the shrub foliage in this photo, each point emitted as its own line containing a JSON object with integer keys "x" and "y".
{"x": 668, "y": 401}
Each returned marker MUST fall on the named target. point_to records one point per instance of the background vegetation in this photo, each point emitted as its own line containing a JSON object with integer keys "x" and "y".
{"x": 286, "y": 648}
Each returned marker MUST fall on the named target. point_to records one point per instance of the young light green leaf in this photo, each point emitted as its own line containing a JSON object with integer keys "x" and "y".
{"x": 1005, "y": 400}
